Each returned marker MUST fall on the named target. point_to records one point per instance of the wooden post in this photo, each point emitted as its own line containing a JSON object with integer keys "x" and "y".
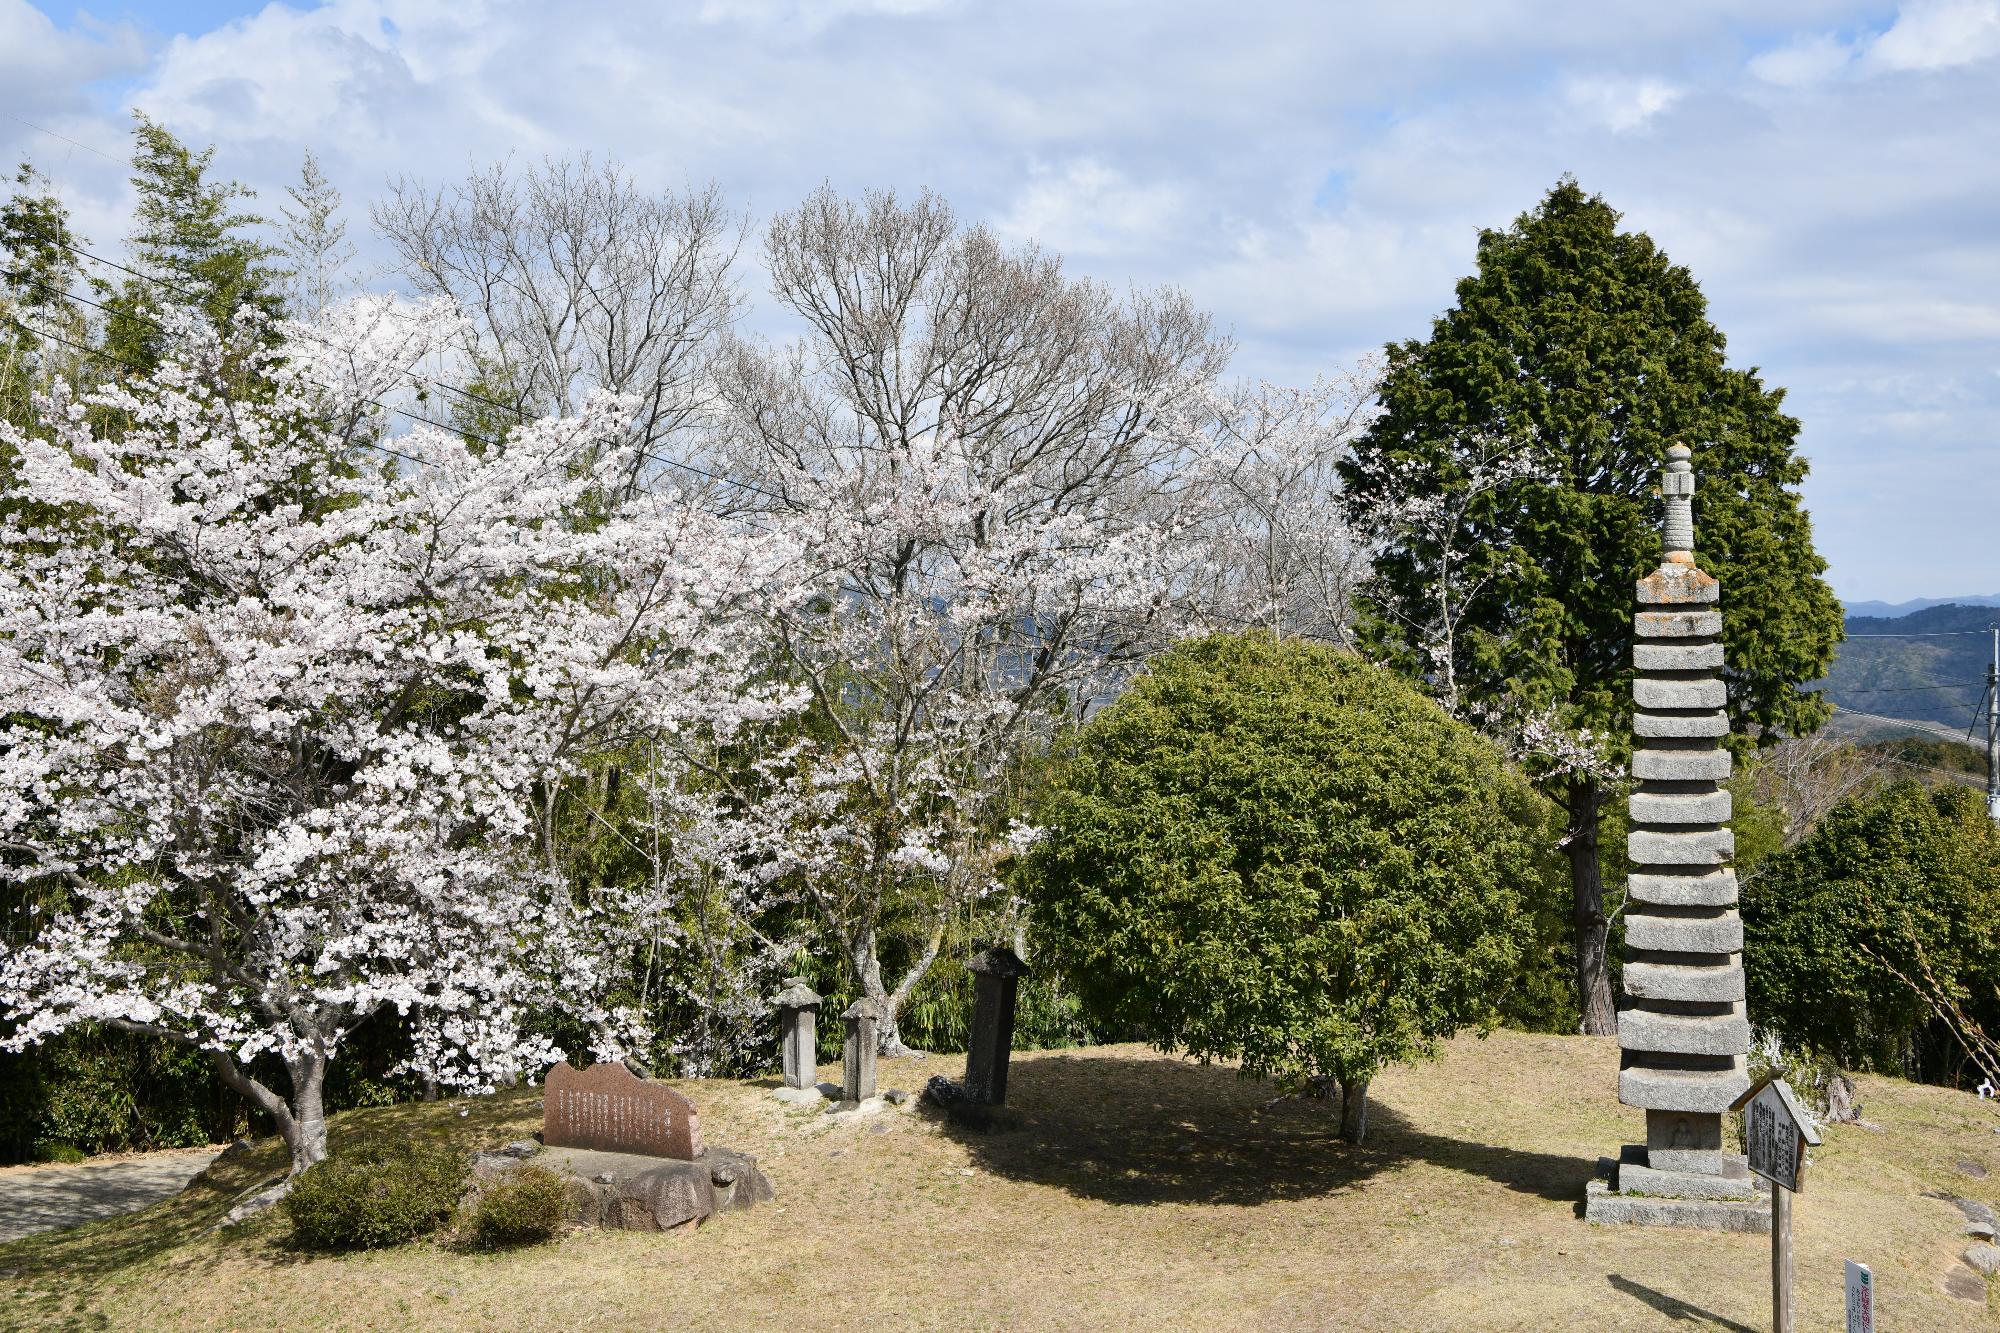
{"x": 1781, "y": 1259}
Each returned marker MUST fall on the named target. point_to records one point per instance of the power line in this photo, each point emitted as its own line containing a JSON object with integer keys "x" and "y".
{"x": 65, "y": 138}
{"x": 1933, "y": 728}
{"x": 1899, "y": 689}
{"x": 1927, "y": 634}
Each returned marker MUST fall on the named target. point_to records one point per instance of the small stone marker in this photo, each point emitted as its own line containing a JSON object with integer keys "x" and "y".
{"x": 1776, "y": 1133}
{"x": 798, "y": 1029}
{"x": 1860, "y": 1298}
{"x": 608, "y": 1108}
{"x": 997, "y": 976}
{"x": 858, "y": 1053}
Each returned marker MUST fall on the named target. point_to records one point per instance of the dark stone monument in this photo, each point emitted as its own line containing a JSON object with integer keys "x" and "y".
{"x": 997, "y": 976}
{"x": 608, "y": 1108}
{"x": 798, "y": 1023}
{"x": 858, "y": 1054}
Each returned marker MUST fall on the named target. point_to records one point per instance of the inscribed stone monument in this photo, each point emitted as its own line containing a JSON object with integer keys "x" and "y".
{"x": 610, "y": 1109}
{"x": 1683, "y": 1033}
{"x": 996, "y": 976}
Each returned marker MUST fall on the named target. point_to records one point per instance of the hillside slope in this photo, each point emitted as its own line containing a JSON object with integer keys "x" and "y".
{"x": 1144, "y": 1192}
{"x": 1937, "y": 677}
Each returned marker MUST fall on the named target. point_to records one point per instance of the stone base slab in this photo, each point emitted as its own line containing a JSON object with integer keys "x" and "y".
{"x": 1604, "y": 1206}
{"x": 1653, "y": 1183}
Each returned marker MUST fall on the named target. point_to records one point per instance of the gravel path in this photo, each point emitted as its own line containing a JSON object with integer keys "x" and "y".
{"x": 50, "y": 1198}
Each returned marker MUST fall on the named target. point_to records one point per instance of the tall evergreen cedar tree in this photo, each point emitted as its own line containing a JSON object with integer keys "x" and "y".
{"x": 186, "y": 235}
{"x": 1583, "y": 351}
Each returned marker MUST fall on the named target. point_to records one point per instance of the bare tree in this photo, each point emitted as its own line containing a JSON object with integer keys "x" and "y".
{"x": 577, "y": 279}
{"x": 966, "y": 441}
{"x": 1283, "y": 551}
{"x": 1806, "y": 776}
{"x": 316, "y": 243}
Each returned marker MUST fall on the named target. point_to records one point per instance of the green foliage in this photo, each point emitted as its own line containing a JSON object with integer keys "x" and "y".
{"x": 1906, "y": 880}
{"x": 1279, "y": 852}
{"x": 1584, "y": 348}
{"x": 938, "y": 1014}
{"x": 524, "y": 1208}
{"x": 1929, "y": 665}
{"x": 94, "y": 1090}
{"x": 188, "y": 235}
{"x": 376, "y": 1194}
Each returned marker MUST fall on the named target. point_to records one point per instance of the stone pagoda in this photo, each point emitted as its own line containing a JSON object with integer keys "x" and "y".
{"x": 1683, "y": 1034}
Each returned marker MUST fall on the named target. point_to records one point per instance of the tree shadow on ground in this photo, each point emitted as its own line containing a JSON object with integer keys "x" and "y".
{"x": 1673, "y": 1306}
{"x": 53, "y": 1267}
{"x": 1164, "y": 1130}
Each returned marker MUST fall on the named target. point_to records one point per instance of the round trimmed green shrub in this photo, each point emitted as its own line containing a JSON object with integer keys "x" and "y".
{"x": 1278, "y": 852}
{"x": 521, "y": 1209}
{"x": 376, "y": 1194}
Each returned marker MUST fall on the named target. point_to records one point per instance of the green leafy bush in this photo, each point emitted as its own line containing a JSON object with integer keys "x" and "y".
{"x": 521, "y": 1209}
{"x": 1278, "y": 852}
{"x": 376, "y": 1194}
{"x": 1891, "y": 895}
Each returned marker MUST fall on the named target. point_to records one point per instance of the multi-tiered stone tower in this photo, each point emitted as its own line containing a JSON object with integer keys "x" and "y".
{"x": 1682, "y": 1032}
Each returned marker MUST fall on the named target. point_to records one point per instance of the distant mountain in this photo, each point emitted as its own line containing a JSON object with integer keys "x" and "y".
{"x": 1929, "y": 666}
{"x": 1890, "y": 610}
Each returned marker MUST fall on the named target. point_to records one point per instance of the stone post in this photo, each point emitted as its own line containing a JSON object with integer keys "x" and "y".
{"x": 996, "y": 977}
{"x": 1683, "y": 1034}
{"x": 798, "y": 1035}
{"x": 858, "y": 1055}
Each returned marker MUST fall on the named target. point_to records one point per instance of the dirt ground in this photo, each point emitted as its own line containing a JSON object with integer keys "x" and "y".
{"x": 1142, "y": 1192}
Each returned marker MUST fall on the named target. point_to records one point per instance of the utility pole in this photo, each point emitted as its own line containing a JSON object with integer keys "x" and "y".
{"x": 1993, "y": 730}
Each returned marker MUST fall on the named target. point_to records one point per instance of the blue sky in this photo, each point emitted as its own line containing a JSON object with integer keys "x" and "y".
{"x": 1315, "y": 174}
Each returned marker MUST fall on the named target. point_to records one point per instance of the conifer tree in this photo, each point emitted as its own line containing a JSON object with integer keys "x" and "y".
{"x": 1536, "y": 417}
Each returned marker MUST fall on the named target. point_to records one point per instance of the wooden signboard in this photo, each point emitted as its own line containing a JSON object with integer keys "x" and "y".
{"x": 1776, "y": 1133}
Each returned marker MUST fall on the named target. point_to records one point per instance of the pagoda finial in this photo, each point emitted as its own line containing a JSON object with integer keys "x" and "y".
{"x": 1677, "y": 487}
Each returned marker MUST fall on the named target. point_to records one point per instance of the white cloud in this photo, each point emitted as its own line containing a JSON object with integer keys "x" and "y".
{"x": 1086, "y": 208}
{"x": 1621, "y": 104}
{"x": 1804, "y": 62}
{"x": 1939, "y": 34}
{"x": 1314, "y": 174}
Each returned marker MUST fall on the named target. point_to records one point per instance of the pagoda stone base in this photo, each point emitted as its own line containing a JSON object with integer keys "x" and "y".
{"x": 1606, "y": 1207}
{"x": 1723, "y": 1196}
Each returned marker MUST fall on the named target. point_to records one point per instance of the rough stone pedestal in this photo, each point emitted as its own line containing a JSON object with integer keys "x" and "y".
{"x": 633, "y": 1192}
{"x": 1683, "y": 1034}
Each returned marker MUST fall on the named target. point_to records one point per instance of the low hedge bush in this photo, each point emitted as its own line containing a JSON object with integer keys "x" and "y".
{"x": 375, "y": 1195}
{"x": 522, "y": 1209}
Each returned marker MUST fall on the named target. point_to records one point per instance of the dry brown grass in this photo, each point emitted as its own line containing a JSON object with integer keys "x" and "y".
{"x": 1144, "y": 1192}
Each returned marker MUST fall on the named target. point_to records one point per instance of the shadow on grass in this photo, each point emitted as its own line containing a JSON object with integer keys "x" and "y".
{"x": 1673, "y": 1307}
{"x": 1164, "y": 1130}
{"x": 58, "y": 1269}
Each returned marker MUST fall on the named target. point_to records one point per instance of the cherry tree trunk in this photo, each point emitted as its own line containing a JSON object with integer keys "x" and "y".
{"x": 1594, "y": 1000}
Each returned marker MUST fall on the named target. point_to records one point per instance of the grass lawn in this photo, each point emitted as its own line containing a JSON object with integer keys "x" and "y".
{"x": 1144, "y": 1192}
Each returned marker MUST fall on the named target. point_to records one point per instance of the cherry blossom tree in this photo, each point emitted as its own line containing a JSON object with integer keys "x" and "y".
{"x": 966, "y": 446}
{"x": 1283, "y": 551}
{"x": 285, "y": 714}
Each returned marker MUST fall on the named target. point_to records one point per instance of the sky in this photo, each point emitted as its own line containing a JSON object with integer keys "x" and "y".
{"x": 1315, "y": 174}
